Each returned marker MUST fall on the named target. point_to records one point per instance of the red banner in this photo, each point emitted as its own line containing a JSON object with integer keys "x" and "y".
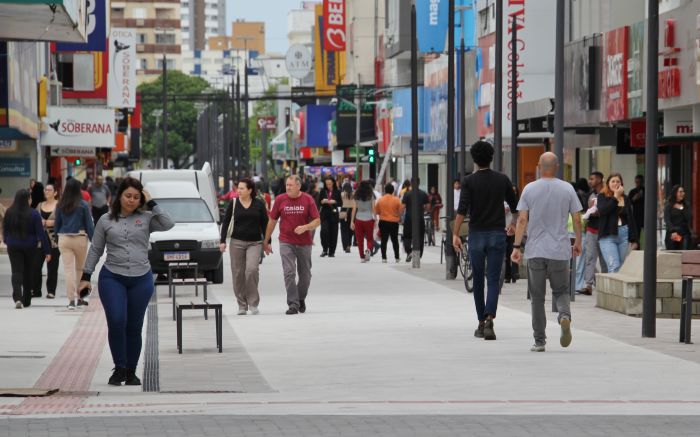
{"x": 616, "y": 51}
{"x": 334, "y": 33}
{"x": 638, "y": 133}
{"x": 670, "y": 83}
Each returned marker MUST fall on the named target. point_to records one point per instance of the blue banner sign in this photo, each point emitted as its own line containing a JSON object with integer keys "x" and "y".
{"x": 96, "y": 30}
{"x": 431, "y": 22}
{"x": 15, "y": 167}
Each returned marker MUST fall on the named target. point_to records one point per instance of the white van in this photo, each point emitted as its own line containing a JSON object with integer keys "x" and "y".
{"x": 202, "y": 179}
{"x": 195, "y": 236}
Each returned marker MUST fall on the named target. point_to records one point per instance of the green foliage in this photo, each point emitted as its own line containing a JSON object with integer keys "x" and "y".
{"x": 182, "y": 116}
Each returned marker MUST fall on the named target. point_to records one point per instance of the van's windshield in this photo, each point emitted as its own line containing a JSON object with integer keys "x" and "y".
{"x": 186, "y": 210}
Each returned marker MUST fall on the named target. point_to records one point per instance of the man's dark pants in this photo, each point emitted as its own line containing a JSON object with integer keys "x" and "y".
{"x": 486, "y": 251}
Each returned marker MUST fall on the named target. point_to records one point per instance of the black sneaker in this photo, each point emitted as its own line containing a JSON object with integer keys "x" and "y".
{"x": 291, "y": 311}
{"x": 131, "y": 378}
{"x": 331, "y": 255}
{"x": 489, "y": 333}
{"x": 118, "y": 376}
{"x": 302, "y": 306}
{"x": 82, "y": 302}
{"x": 479, "y": 332}
{"x": 324, "y": 254}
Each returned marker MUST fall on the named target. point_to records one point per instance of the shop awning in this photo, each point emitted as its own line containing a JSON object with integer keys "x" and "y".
{"x": 43, "y": 20}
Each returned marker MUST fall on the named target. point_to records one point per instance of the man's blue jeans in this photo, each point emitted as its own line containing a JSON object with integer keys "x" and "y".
{"x": 487, "y": 251}
{"x": 125, "y": 300}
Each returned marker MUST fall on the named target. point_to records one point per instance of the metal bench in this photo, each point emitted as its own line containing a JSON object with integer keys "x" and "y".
{"x": 217, "y": 307}
{"x": 690, "y": 269}
{"x": 173, "y": 282}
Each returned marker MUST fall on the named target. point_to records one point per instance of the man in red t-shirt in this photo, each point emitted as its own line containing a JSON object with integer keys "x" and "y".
{"x": 299, "y": 216}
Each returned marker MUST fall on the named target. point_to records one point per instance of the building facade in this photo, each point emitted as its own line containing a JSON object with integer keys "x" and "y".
{"x": 200, "y": 21}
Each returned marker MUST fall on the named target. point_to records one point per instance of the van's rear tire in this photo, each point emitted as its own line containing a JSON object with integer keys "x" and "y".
{"x": 216, "y": 276}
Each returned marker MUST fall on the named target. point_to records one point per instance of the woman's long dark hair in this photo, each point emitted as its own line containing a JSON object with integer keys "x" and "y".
{"x": 37, "y": 194}
{"x": 335, "y": 184}
{"x": 364, "y": 192}
{"x": 127, "y": 182}
{"x": 250, "y": 185}
{"x": 673, "y": 198}
{"x": 18, "y": 215}
{"x": 70, "y": 201}
{"x": 347, "y": 189}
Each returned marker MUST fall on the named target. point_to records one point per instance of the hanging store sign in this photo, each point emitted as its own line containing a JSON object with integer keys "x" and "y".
{"x": 431, "y": 18}
{"x": 334, "y": 36}
{"x": 615, "y": 74}
{"x": 670, "y": 75}
{"x": 298, "y": 61}
{"x": 96, "y": 30}
{"x": 79, "y": 127}
{"x": 84, "y": 152}
{"x": 635, "y": 67}
{"x": 678, "y": 122}
{"x": 121, "y": 88}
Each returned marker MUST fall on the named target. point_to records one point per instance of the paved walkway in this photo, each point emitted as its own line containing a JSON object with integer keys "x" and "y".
{"x": 378, "y": 339}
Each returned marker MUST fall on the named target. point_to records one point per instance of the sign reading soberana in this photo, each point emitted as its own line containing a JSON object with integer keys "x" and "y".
{"x": 79, "y": 127}
{"x": 121, "y": 81}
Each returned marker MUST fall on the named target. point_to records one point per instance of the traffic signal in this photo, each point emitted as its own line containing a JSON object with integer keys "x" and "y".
{"x": 371, "y": 155}
{"x": 78, "y": 161}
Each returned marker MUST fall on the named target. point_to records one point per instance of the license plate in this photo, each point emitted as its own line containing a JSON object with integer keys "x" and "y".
{"x": 176, "y": 256}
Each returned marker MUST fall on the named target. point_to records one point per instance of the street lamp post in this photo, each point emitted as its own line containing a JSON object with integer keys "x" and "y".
{"x": 245, "y": 149}
{"x": 415, "y": 208}
{"x": 559, "y": 88}
{"x": 498, "y": 91}
{"x": 450, "y": 266}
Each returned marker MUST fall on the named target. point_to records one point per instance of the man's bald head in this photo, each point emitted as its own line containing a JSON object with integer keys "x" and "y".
{"x": 549, "y": 164}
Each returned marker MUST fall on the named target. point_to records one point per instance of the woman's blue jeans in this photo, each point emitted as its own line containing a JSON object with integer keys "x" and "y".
{"x": 614, "y": 248}
{"x": 125, "y": 300}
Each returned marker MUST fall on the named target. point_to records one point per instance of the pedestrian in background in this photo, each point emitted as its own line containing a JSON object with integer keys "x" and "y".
{"x": 636, "y": 198}
{"x": 482, "y": 196}
{"x": 457, "y": 190}
{"x": 544, "y": 209}
{"x": 244, "y": 224}
{"x": 388, "y": 209}
{"x": 23, "y": 233}
{"x": 362, "y": 219}
{"x": 101, "y": 198}
{"x": 299, "y": 216}
{"x": 616, "y": 225}
{"x": 348, "y": 202}
{"x": 678, "y": 217}
{"x": 37, "y": 194}
{"x": 330, "y": 201}
{"x": 512, "y": 273}
{"x": 435, "y": 206}
{"x": 414, "y": 194}
{"x": 125, "y": 282}
{"x": 75, "y": 228}
{"x": 47, "y": 210}
{"x": 595, "y": 183}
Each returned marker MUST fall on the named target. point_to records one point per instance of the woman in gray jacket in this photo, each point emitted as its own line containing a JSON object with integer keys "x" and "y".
{"x": 125, "y": 282}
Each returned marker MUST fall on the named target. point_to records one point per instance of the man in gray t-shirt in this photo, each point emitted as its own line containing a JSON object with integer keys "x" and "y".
{"x": 101, "y": 198}
{"x": 544, "y": 209}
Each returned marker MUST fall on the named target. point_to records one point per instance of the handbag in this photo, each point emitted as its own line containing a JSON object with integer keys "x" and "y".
{"x": 229, "y": 231}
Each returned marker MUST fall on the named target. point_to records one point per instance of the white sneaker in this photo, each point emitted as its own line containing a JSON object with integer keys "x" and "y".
{"x": 398, "y": 260}
{"x": 537, "y": 348}
{"x": 242, "y": 312}
{"x": 254, "y": 311}
{"x": 71, "y": 305}
{"x": 18, "y": 305}
{"x": 368, "y": 254}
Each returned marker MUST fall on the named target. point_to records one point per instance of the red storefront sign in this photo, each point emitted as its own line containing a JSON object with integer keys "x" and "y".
{"x": 669, "y": 83}
{"x": 616, "y": 54}
{"x": 670, "y": 78}
{"x": 638, "y": 133}
{"x": 334, "y": 25}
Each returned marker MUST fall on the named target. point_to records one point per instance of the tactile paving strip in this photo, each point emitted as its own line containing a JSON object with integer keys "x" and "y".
{"x": 151, "y": 365}
{"x": 72, "y": 369}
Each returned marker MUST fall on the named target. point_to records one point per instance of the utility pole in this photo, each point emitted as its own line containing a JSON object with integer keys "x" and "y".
{"x": 358, "y": 119}
{"x": 462, "y": 115}
{"x": 245, "y": 149}
{"x": 450, "y": 266}
{"x": 514, "y": 103}
{"x": 651, "y": 172}
{"x": 559, "y": 88}
{"x": 415, "y": 207}
{"x": 263, "y": 152}
{"x": 239, "y": 148}
{"x": 498, "y": 92}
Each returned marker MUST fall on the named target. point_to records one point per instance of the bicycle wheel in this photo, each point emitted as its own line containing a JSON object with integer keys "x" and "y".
{"x": 468, "y": 273}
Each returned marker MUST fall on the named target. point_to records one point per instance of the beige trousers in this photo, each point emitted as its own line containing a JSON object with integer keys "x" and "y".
{"x": 245, "y": 269}
{"x": 73, "y": 253}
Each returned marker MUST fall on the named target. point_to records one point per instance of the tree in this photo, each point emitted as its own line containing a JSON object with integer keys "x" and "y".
{"x": 182, "y": 116}
{"x": 262, "y": 108}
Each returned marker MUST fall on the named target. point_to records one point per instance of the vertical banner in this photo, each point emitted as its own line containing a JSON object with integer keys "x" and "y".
{"x": 635, "y": 71}
{"x": 334, "y": 34}
{"x": 121, "y": 81}
{"x": 329, "y": 66}
{"x": 431, "y": 20}
{"x": 615, "y": 70}
{"x": 96, "y": 30}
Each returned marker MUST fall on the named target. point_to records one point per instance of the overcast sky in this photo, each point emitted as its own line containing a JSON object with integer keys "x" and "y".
{"x": 272, "y": 12}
